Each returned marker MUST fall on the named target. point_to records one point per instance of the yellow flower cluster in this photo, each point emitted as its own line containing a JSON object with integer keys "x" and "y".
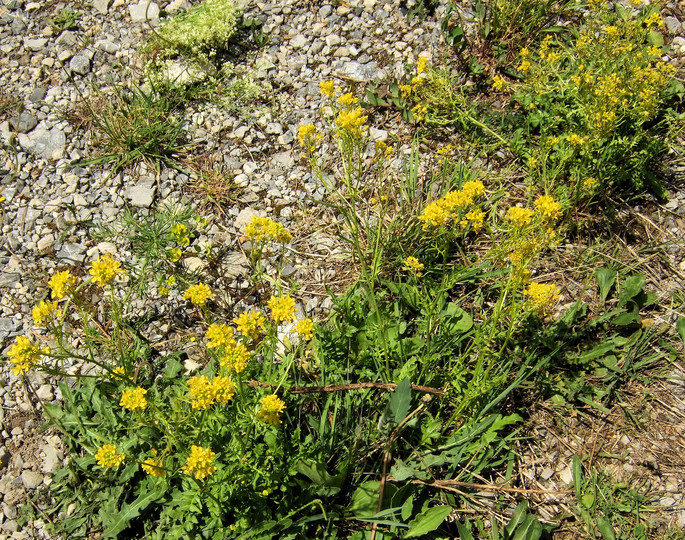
{"x": 520, "y": 216}
{"x": 107, "y": 456}
{"x": 204, "y": 393}
{"x": 250, "y": 324}
{"x": 235, "y": 357}
{"x": 305, "y": 329}
{"x": 45, "y": 312}
{"x": 327, "y": 88}
{"x": 421, "y": 64}
{"x": 198, "y": 294}
{"x": 219, "y": 335}
{"x": 133, "y": 399}
{"x": 542, "y": 295}
{"x": 25, "y": 355}
{"x": 413, "y": 265}
{"x": 475, "y": 218}
{"x": 348, "y": 99}
{"x": 271, "y": 410}
{"x": 105, "y": 269}
{"x": 263, "y": 229}
{"x": 308, "y": 136}
{"x": 61, "y": 283}
{"x": 548, "y": 207}
{"x": 352, "y": 121}
{"x": 200, "y": 462}
{"x": 498, "y": 83}
{"x": 443, "y": 210}
{"x": 153, "y": 467}
{"x": 282, "y": 308}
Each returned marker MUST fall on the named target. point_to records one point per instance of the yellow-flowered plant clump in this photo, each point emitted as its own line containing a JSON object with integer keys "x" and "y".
{"x": 200, "y": 462}
{"x": 219, "y": 335}
{"x": 201, "y": 392}
{"x": 352, "y": 121}
{"x": 413, "y": 265}
{"x": 198, "y": 294}
{"x": 235, "y": 358}
{"x": 107, "y": 456}
{"x": 45, "y": 312}
{"x": 282, "y": 308}
{"x": 272, "y": 407}
{"x": 133, "y": 399}
{"x": 105, "y": 269}
{"x": 61, "y": 283}
{"x": 263, "y": 229}
{"x": 308, "y": 135}
{"x": 451, "y": 206}
{"x": 223, "y": 389}
{"x": 153, "y": 467}
{"x": 327, "y": 88}
{"x": 25, "y": 355}
{"x": 519, "y": 216}
{"x": 548, "y": 207}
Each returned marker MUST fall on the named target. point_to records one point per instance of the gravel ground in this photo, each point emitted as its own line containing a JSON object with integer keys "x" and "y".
{"x": 51, "y": 206}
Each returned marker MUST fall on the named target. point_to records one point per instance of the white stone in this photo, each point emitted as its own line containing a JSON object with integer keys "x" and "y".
{"x": 141, "y": 13}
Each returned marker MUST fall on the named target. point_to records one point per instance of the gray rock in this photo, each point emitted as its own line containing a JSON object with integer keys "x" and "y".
{"x": 273, "y": 128}
{"x": 10, "y": 526}
{"x": 38, "y": 94}
{"x": 283, "y": 159}
{"x": 35, "y": 44}
{"x": 4, "y": 457}
{"x": 9, "y": 279}
{"x": 143, "y": 193}
{"x": 108, "y": 46}
{"x": 101, "y": 6}
{"x": 66, "y": 38}
{"x": 31, "y": 479}
{"x": 80, "y": 64}
{"x": 672, "y": 25}
{"x": 9, "y": 326}
{"x": 44, "y": 392}
{"x": 46, "y": 243}
{"x": 48, "y": 144}
{"x": 72, "y": 253}
{"x": 235, "y": 264}
{"x": 182, "y": 73}
{"x": 141, "y": 13}
{"x": 298, "y": 41}
{"x": 52, "y": 460}
{"x": 360, "y": 72}
{"x": 23, "y": 123}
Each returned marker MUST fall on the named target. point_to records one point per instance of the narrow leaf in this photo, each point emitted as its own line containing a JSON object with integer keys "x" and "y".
{"x": 428, "y": 521}
{"x": 680, "y": 327}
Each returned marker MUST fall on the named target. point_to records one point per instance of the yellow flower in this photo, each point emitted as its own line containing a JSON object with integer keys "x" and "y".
{"x": 327, "y": 88}
{"x": 25, "y": 355}
{"x": 352, "y": 121}
{"x": 282, "y": 309}
{"x": 153, "y": 467}
{"x": 382, "y": 150}
{"x": 421, "y": 64}
{"x": 308, "y": 136}
{"x": 548, "y": 207}
{"x": 223, "y": 389}
{"x": 271, "y": 409}
{"x": 45, "y": 312}
{"x": 348, "y": 99}
{"x": 413, "y": 265}
{"x": 542, "y": 295}
{"x": 524, "y": 66}
{"x": 105, "y": 269}
{"x": 419, "y": 111}
{"x": 575, "y": 140}
{"x": 472, "y": 189}
{"x": 119, "y": 372}
{"x": 520, "y": 216}
{"x": 107, "y": 456}
{"x": 201, "y": 392}
{"x": 219, "y": 335}
{"x": 305, "y": 329}
{"x": 250, "y": 324}
{"x": 434, "y": 215}
{"x": 524, "y": 53}
{"x": 589, "y": 182}
{"x": 405, "y": 90}
{"x": 654, "y": 20}
{"x": 61, "y": 283}
{"x": 532, "y": 162}
{"x": 179, "y": 231}
{"x": 476, "y": 218}
{"x": 498, "y": 83}
{"x": 134, "y": 399}
{"x": 235, "y": 358}
{"x": 200, "y": 463}
{"x": 264, "y": 229}
{"x": 198, "y": 294}
{"x": 175, "y": 254}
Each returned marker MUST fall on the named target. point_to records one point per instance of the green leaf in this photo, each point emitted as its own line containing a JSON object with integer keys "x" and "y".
{"x": 464, "y": 531}
{"x": 517, "y": 518}
{"x": 173, "y": 368}
{"x": 605, "y": 279}
{"x": 427, "y": 521}
{"x": 632, "y": 286}
{"x": 401, "y": 400}
{"x": 625, "y": 319}
{"x": 530, "y": 529}
{"x": 365, "y": 499}
{"x": 655, "y": 38}
{"x": 407, "y": 508}
{"x": 455, "y": 320}
{"x": 588, "y": 500}
{"x": 318, "y": 474}
{"x": 577, "y": 473}
{"x": 605, "y": 529}
{"x": 118, "y": 522}
{"x": 680, "y": 327}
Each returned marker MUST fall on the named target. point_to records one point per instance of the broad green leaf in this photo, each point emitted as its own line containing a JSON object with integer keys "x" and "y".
{"x": 427, "y": 521}
{"x": 605, "y": 279}
{"x": 401, "y": 400}
{"x": 455, "y": 320}
{"x": 517, "y": 518}
{"x": 655, "y": 38}
{"x": 588, "y": 500}
{"x": 632, "y": 286}
{"x": 407, "y": 508}
{"x": 365, "y": 499}
{"x": 599, "y": 351}
{"x": 464, "y": 531}
{"x": 530, "y": 529}
{"x": 680, "y": 327}
{"x": 605, "y": 529}
{"x": 625, "y": 319}
{"x": 318, "y": 474}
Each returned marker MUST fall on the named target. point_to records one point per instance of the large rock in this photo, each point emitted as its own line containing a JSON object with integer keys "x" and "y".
{"x": 46, "y": 143}
{"x": 141, "y": 13}
{"x": 143, "y": 193}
